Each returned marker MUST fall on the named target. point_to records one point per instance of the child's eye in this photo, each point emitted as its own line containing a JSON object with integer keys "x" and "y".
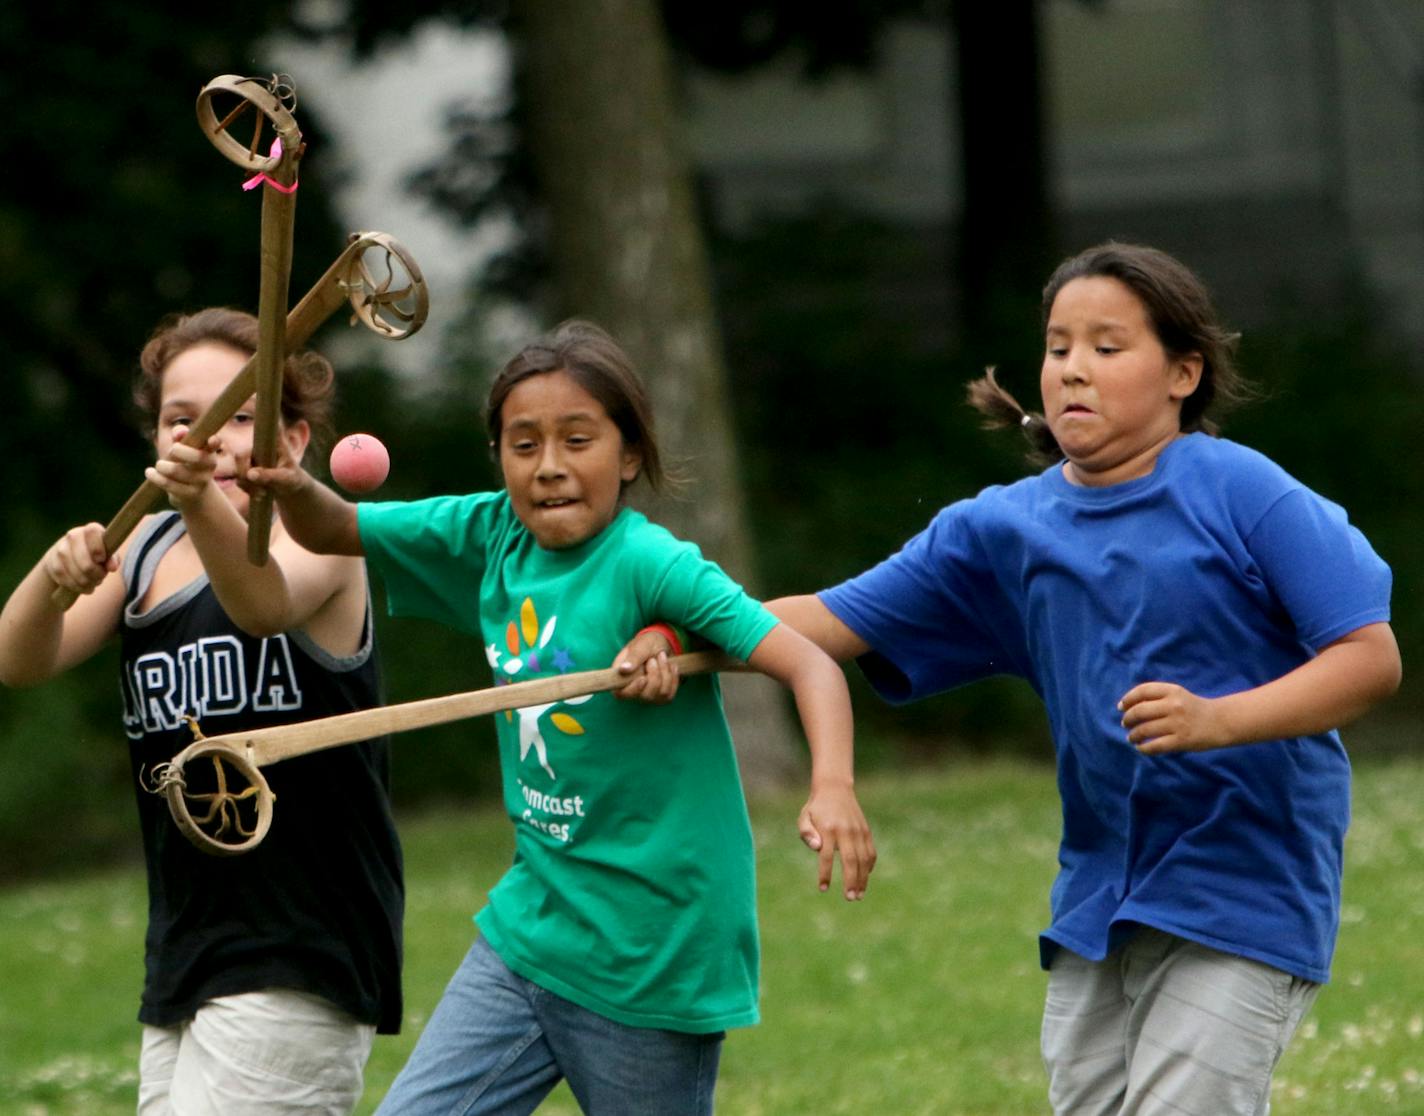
{"x": 243, "y": 417}
{"x": 579, "y": 439}
{"x": 1057, "y": 351}
{"x": 1108, "y": 350}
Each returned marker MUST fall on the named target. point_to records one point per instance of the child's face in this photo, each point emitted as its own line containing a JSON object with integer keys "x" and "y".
{"x": 1111, "y": 394}
{"x": 191, "y": 383}
{"x": 563, "y": 459}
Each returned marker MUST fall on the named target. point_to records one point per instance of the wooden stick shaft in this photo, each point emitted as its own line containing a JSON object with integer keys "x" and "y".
{"x": 278, "y": 219}
{"x": 319, "y": 303}
{"x": 269, "y": 745}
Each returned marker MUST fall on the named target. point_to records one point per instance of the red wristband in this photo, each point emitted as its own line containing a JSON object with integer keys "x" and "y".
{"x": 668, "y": 632}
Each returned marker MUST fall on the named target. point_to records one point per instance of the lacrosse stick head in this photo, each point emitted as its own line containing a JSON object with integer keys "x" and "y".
{"x": 384, "y": 285}
{"x": 218, "y": 797}
{"x": 226, "y": 100}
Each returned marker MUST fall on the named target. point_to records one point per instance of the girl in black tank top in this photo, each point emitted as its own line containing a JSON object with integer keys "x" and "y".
{"x": 316, "y": 906}
{"x": 315, "y": 909}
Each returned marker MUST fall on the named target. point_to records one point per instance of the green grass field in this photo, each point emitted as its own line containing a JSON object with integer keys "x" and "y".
{"x": 922, "y": 999}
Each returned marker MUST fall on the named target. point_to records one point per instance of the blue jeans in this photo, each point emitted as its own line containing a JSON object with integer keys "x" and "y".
{"x": 497, "y": 1044}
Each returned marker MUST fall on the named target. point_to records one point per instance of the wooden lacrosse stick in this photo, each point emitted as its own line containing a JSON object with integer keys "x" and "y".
{"x": 381, "y": 299}
{"x": 230, "y": 811}
{"x": 276, "y": 176}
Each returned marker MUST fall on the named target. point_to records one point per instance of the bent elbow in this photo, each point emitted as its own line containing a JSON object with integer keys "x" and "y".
{"x": 1381, "y": 684}
{"x": 1392, "y": 679}
{"x": 1379, "y": 665}
{"x": 1390, "y": 669}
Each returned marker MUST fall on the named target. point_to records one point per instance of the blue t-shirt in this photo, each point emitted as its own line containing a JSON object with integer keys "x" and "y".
{"x": 1219, "y": 572}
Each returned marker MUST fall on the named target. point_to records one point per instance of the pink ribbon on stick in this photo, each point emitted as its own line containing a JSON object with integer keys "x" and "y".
{"x": 262, "y": 176}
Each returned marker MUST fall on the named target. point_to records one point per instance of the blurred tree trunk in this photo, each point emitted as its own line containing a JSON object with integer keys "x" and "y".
{"x": 627, "y": 252}
{"x": 1006, "y": 235}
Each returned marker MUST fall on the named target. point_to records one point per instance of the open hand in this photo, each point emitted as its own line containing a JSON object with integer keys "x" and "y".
{"x": 832, "y": 821}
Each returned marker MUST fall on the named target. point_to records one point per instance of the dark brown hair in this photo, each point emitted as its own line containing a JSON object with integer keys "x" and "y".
{"x": 308, "y": 380}
{"x": 1180, "y": 309}
{"x": 598, "y": 364}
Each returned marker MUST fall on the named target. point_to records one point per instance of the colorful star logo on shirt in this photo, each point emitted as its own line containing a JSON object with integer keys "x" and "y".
{"x": 525, "y": 640}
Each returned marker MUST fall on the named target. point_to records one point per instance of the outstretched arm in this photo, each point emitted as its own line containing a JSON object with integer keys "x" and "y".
{"x": 1343, "y": 681}
{"x": 295, "y": 589}
{"x": 315, "y": 516}
{"x": 832, "y": 819}
{"x": 654, "y": 680}
{"x": 809, "y": 616}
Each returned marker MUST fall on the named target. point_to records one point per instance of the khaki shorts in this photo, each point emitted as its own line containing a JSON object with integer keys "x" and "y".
{"x": 1167, "y": 1026}
{"x": 263, "y": 1053}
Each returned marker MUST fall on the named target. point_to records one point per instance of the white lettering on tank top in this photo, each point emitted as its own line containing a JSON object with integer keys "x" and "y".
{"x": 207, "y": 678}
{"x": 276, "y": 687}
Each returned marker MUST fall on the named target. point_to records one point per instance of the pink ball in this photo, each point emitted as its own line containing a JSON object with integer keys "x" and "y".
{"x": 359, "y": 463}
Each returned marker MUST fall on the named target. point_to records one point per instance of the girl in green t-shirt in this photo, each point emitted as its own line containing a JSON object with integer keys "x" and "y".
{"x": 621, "y": 942}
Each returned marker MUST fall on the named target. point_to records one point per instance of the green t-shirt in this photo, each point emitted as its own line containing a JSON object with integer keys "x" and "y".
{"x": 632, "y": 891}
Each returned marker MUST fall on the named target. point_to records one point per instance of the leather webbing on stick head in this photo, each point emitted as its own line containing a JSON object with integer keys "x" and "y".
{"x": 390, "y": 304}
{"x": 219, "y": 800}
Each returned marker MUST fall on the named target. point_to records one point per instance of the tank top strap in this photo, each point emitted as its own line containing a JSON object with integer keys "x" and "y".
{"x": 150, "y": 544}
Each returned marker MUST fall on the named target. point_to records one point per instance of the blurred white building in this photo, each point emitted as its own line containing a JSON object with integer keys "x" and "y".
{"x": 1273, "y": 143}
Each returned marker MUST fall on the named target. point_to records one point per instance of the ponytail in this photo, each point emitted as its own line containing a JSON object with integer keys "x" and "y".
{"x": 1002, "y": 411}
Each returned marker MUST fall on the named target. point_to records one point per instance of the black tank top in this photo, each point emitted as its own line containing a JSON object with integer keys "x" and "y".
{"x": 317, "y": 905}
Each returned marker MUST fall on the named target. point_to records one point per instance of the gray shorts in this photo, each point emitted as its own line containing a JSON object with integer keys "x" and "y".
{"x": 1167, "y": 1026}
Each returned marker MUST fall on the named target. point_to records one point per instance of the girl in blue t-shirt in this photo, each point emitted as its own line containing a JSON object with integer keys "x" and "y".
{"x": 621, "y": 943}
{"x": 1197, "y": 624}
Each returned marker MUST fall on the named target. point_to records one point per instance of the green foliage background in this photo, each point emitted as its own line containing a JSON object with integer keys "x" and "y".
{"x": 847, "y": 379}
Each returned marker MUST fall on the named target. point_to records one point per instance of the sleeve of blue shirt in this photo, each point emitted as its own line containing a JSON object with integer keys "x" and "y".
{"x": 1325, "y": 574}
{"x": 929, "y": 613}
